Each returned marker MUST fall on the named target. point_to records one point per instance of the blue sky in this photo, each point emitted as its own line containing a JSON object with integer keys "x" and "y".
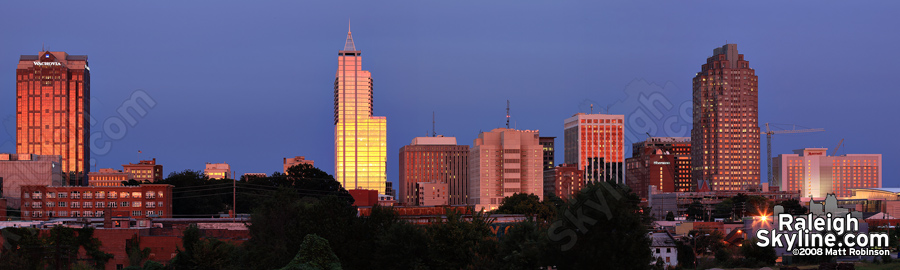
{"x": 250, "y": 83}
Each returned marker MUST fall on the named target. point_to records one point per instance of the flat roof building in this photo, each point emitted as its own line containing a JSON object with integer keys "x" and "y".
{"x": 46, "y": 202}
{"x": 433, "y": 159}
{"x": 18, "y": 170}
{"x": 53, "y": 91}
{"x": 663, "y": 162}
{"x": 564, "y": 180}
{"x": 503, "y": 162}
{"x": 596, "y": 144}
{"x": 814, "y": 173}
{"x": 145, "y": 170}
{"x": 108, "y": 177}
{"x": 287, "y": 163}
{"x": 218, "y": 171}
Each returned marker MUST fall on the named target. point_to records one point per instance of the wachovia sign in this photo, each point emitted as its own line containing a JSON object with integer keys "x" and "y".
{"x": 822, "y": 234}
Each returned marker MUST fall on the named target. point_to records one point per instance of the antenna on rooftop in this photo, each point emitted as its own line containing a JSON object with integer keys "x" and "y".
{"x": 433, "y": 132}
{"x": 507, "y": 113}
{"x": 592, "y": 108}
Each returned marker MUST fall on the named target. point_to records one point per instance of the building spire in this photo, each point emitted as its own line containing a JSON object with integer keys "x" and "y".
{"x": 349, "y": 46}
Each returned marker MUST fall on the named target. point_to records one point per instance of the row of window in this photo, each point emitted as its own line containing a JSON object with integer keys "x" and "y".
{"x": 40, "y": 214}
{"x": 96, "y": 204}
{"x": 90, "y": 195}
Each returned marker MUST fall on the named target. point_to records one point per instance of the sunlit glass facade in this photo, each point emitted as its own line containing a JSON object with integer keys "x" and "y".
{"x": 52, "y": 108}
{"x": 360, "y": 139}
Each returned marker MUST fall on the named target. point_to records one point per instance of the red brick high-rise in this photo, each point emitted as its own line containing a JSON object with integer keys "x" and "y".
{"x": 53, "y": 91}
{"x": 725, "y": 134}
{"x": 664, "y": 162}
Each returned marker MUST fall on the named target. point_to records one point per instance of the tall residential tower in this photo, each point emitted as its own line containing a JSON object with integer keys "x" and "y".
{"x": 53, "y": 91}
{"x": 360, "y": 139}
{"x": 725, "y": 134}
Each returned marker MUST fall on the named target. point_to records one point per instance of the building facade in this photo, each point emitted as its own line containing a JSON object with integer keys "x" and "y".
{"x": 18, "y": 170}
{"x": 434, "y": 159}
{"x": 679, "y": 202}
{"x": 725, "y": 134}
{"x": 663, "y": 162}
{"x": 218, "y": 171}
{"x": 549, "y": 151}
{"x": 145, "y": 170}
{"x": 53, "y": 91}
{"x": 431, "y": 193}
{"x": 504, "y": 162}
{"x": 564, "y": 180}
{"x": 814, "y": 173}
{"x": 360, "y": 140}
{"x": 46, "y": 202}
{"x": 108, "y": 177}
{"x": 596, "y": 143}
{"x": 296, "y": 161}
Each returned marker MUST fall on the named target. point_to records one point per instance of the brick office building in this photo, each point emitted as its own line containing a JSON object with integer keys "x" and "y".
{"x": 45, "y": 202}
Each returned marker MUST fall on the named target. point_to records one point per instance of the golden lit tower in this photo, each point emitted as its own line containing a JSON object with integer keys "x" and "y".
{"x": 53, "y": 91}
{"x": 359, "y": 138}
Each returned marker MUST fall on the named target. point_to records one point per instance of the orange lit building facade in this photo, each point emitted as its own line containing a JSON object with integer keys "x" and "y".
{"x": 108, "y": 177}
{"x": 663, "y": 162}
{"x": 814, "y": 173}
{"x": 53, "y": 92}
{"x": 725, "y": 134}
{"x": 45, "y": 202}
{"x": 360, "y": 140}
{"x": 596, "y": 144}
{"x": 145, "y": 170}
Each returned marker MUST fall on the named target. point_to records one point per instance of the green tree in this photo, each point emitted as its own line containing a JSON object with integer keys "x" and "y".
{"x": 136, "y": 255}
{"x": 695, "y": 211}
{"x": 529, "y": 205}
{"x": 197, "y": 195}
{"x": 754, "y": 254}
{"x": 460, "y": 244}
{"x": 603, "y": 225}
{"x": 525, "y": 246}
{"x": 686, "y": 256}
{"x": 670, "y": 216}
{"x": 202, "y": 253}
{"x": 315, "y": 253}
{"x": 793, "y": 207}
{"x": 724, "y": 209}
{"x": 282, "y": 220}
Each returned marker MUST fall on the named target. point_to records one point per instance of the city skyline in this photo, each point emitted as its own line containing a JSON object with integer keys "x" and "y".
{"x": 423, "y": 66}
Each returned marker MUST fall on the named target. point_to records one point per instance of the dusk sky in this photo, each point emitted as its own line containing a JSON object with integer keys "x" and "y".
{"x": 249, "y": 83}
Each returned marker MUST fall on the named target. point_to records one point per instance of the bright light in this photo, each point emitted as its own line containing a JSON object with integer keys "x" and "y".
{"x": 764, "y": 218}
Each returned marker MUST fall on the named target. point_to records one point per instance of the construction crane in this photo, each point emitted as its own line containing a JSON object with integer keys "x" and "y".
{"x": 769, "y": 134}
{"x": 834, "y": 152}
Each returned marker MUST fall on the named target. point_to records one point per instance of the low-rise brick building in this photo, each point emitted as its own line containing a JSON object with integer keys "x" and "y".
{"x": 45, "y": 202}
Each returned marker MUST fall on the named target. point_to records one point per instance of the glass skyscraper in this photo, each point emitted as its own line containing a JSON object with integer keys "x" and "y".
{"x": 359, "y": 138}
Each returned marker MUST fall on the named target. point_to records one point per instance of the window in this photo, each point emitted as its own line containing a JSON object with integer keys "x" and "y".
{"x": 76, "y": 204}
{"x": 99, "y": 205}
{"x": 62, "y": 195}
{"x": 135, "y": 213}
{"x": 124, "y": 204}
{"x": 657, "y": 251}
{"x": 61, "y": 204}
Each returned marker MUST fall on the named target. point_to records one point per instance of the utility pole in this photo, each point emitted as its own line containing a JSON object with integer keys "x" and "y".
{"x": 233, "y": 200}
